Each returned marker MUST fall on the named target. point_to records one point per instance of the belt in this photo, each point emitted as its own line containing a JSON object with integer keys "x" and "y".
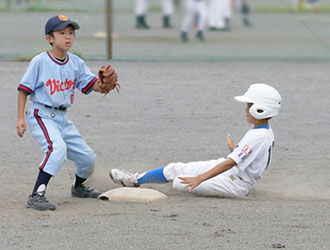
{"x": 61, "y": 108}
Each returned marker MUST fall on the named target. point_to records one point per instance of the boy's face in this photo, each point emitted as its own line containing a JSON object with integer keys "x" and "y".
{"x": 249, "y": 117}
{"x": 62, "y": 39}
{"x": 253, "y": 120}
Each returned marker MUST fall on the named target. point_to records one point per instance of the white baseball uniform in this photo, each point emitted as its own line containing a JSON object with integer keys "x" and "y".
{"x": 167, "y": 7}
{"x": 216, "y": 14}
{"x": 227, "y": 9}
{"x": 194, "y": 8}
{"x": 252, "y": 156}
{"x": 141, "y": 7}
{"x": 219, "y": 10}
{"x": 51, "y": 84}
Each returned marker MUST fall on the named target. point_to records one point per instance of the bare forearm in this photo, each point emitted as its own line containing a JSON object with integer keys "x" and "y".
{"x": 22, "y": 97}
{"x": 193, "y": 182}
{"x": 218, "y": 169}
{"x": 21, "y": 124}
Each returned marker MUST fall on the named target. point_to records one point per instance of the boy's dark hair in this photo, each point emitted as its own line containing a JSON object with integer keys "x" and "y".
{"x": 52, "y": 35}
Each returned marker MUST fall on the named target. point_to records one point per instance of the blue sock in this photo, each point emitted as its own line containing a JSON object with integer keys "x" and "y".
{"x": 153, "y": 176}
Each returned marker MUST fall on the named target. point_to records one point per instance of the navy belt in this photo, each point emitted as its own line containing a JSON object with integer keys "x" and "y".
{"x": 61, "y": 108}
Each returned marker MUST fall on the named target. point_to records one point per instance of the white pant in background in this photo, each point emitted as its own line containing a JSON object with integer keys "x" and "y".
{"x": 216, "y": 14}
{"x": 167, "y": 7}
{"x": 141, "y": 7}
{"x": 194, "y": 8}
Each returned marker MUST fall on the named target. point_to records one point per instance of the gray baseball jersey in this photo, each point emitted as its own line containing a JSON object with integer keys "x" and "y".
{"x": 51, "y": 84}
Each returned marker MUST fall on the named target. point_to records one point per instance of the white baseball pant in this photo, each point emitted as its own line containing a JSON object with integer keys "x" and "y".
{"x": 223, "y": 185}
{"x": 167, "y": 7}
{"x": 216, "y": 14}
{"x": 141, "y": 7}
{"x": 194, "y": 8}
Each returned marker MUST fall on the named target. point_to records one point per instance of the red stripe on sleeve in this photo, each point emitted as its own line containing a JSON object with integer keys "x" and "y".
{"x": 26, "y": 89}
{"x": 90, "y": 85}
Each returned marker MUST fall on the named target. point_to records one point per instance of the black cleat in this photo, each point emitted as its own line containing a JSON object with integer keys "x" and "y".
{"x": 141, "y": 23}
{"x": 200, "y": 36}
{"x": 167, "y": 22}
{"x": 184, "y": 37}
{"x": 84, "y": 191}
{"x": 39, "y": 202}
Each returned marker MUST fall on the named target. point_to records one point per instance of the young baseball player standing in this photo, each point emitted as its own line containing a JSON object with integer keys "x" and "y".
{"x": 168, "y": 8}
{"x": 243, "y": 167}
{"x": 50, "y": 81}
{"x": 141, "y": 10}
{"x": 244, "y": 10}
{"x": 194, "y": 8}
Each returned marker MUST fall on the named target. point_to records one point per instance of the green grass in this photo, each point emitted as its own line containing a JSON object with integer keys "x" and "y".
{"x": 37, "y": 8}
{"x": 288, "y": 9}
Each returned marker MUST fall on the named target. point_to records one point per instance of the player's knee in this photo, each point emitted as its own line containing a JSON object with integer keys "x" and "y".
{"x": 85, "y": 171}
{"x": 59, "y": 152}
{"x": 177, "y": 185}
{"x": 90, "y": 169}
{"x": 90, "y": 159}
{"x": 172, "y": 170}
{"x": 86, "y": 167}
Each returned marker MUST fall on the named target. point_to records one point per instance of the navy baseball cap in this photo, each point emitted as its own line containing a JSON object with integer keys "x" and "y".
{"x": 59, "y": 22}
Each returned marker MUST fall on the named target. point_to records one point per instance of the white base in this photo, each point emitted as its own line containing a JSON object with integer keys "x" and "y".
{"x": 133, "y": 195}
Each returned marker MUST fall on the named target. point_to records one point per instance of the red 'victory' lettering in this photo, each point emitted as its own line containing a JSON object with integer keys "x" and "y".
{"x": 57, "y": 86}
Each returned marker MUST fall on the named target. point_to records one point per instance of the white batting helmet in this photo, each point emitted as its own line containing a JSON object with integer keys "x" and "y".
{"x": 266, "y": 100}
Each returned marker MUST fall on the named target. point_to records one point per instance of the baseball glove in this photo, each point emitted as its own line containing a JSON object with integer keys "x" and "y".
{"x": 109, "y": 79}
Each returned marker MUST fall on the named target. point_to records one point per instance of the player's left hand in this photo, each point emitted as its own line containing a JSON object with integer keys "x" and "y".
{"x": 108, "y": 78}
{"x": 191, "y": 182}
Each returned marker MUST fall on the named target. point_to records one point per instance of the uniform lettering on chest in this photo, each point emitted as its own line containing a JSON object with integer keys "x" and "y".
{"x": 57, "y": 86}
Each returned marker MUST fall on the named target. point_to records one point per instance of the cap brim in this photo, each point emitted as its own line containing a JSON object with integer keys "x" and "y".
{"x": 243, "y": 98}
{"x": 64, "y": 24}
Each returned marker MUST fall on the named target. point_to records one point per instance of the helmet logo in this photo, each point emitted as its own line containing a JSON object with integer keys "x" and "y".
{"x": 63, "y": 18}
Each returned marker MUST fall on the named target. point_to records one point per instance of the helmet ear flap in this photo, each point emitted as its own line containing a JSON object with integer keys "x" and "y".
{"x": 259, "y": 111}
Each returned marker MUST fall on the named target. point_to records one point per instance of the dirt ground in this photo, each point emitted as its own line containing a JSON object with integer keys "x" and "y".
{"x": 177, "y": 104}
{"x": 170, "y": 112}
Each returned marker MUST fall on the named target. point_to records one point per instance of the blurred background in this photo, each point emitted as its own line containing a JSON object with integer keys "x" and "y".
{"x": 271, "y": 30}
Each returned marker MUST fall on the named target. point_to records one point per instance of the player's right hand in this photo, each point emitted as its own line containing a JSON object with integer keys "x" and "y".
{"x": 230, "y": 142}
{"x": 20, "y": 127}
{"x": 191, "y": 182}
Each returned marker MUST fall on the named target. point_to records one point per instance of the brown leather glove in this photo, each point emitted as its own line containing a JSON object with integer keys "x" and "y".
{"x": 109, "y": 79}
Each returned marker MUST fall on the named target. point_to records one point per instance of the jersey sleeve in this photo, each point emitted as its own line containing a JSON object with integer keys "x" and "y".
{"x": 30, "y": 77}
{"x": 247, "y": 150}
{"x": 86, "y": 79}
